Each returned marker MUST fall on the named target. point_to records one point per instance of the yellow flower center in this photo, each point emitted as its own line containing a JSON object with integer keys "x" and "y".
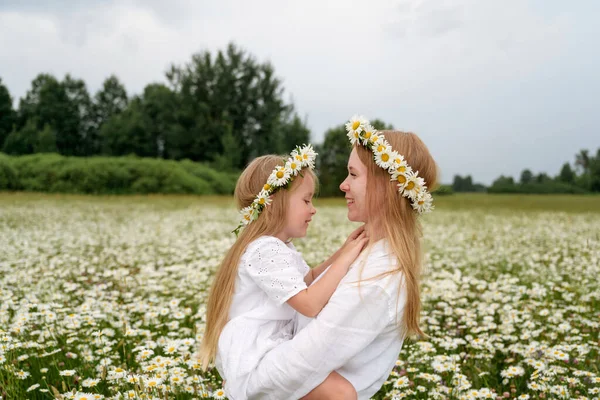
{"x": 380, "y": 147}
{"x": 385, "y": 157}
{"x": 305, "y": 156}
{"x": 247, "y": 217}
{"x": 293, "y": 165}
{"x": 299, "y": 157}
{"x": 367, "y": 135}
{"x": 261, "y": 201}
{"x": 401, "y": 179}
{"x": 374, "y": 138}
{"x": 401, "y": 168}
{"x": 410, "y": 185}
{"x": 267, "y": 186}
{"x": 152, "y": 383}
{"x": 279, "y": 175}
{"x": 355, "y": 125}
{"x": 421, "y": 202}
{"x": 356, "y": 135}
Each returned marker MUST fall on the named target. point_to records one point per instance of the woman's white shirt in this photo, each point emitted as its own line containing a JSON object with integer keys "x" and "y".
{"x": 357, "y": 334}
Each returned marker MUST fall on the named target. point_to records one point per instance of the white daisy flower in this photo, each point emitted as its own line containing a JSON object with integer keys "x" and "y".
{"x": 413, "y": 185}
{"x": 308, "y": 155}
{"x": 246, "y": 214}
{"x": 423, "y": 203}
{"x": 381, "y": 146}
{"x": 356, "y": 125}
{"x": 367, "y": 134}
{"x": 33, "y": 387}
{"x": 22, "y": 374}
{"x": 219, "y": 394}
{"x": 279, "y": 177}
{"x": 401, "y": 175}
{"x": 84, "y": 396}
{"x": 385, "y": 158}
{"x": 67, "y": 372}
{"x": 293, "y": 165}
{"x": 263, "y": 198}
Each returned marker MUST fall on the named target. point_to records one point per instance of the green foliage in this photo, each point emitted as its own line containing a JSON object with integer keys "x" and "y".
{"x": 110, "y": 175}
{"x": 7, "y": 114}
{"x": 443, "y": 190}
{"x": 545, "y": 187}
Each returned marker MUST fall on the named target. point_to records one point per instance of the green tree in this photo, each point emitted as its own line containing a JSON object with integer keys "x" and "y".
{"x": 22, "y": 141}
{"x": 566, "y": 174}
{"x": 333, "y": 158}
{"x": 595, "y": 172}
{"x": 64, "y": 106}
{"x": 109, "y": 101}
{"x": 526, "y": 176}
{"x": 504, "y": 181}
{"x": 7, "y": 114}
{"x": 229, "y": 91}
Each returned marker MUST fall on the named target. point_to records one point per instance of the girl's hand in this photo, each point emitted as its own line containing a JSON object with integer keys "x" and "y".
{"x": 352, "y": 249}
{"x": 356, "y": 233}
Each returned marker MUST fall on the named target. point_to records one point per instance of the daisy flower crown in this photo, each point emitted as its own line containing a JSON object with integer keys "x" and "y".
{"x": 281, "y": 177}
{"x": 410, "y": 185}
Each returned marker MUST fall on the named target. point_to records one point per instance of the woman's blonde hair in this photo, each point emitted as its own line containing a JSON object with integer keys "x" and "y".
{"x": 392, "y": 215}
{"x": 270, "y": 222}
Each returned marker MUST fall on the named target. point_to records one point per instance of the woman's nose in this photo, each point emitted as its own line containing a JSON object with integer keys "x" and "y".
{"x": 344, "y": 186}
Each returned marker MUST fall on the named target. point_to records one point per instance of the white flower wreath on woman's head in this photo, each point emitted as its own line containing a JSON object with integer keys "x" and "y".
{"x": 410, "y": 185}
{"x": 281, "y": 177}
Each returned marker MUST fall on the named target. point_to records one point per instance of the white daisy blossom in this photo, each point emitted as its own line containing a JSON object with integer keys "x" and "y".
{"x": 368, "y": 133}
{"x": 361, "y": 132}
{"x": 385, "y": 158}
{"x": 309, "y": 156}
{"x": 356, "y": 125}
{"x": 279, "y": 177}
{"x": 246, "y": 215}
{"x": 293, "y": 165}
{"x": 263, "y": 198}
{"x": 423, "y": 202}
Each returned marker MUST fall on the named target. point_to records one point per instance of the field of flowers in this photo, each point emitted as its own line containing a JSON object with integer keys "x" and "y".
{"x": 103, "y": 298}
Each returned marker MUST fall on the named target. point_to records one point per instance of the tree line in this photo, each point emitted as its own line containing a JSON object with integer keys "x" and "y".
{"x": 220, "y": 110}
{"x": 223, "y": 109}
{"x": 583, "y": 177}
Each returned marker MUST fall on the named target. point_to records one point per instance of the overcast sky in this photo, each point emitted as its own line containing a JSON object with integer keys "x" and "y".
{"x": 492, "y": 87}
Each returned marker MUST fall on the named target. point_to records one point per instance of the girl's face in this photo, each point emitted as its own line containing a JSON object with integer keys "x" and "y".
{"x": 355, "y": 188}
{"x": 300, "y": 209}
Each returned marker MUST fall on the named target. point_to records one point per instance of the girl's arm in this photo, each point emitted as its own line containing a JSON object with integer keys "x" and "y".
{"x": 310, "y": 301}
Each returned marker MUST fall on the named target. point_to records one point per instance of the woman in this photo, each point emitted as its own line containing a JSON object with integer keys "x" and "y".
{"x": 360, "y": 331}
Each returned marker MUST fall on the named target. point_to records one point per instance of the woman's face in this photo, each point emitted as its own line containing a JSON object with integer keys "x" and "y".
{"x": 355, "y": 188}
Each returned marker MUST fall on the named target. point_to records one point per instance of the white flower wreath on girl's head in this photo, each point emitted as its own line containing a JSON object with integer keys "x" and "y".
{"x": 410, "y": 185}
{"x": 281, "y": 177}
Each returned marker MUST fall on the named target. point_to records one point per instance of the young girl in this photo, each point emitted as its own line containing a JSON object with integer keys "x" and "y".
{"x": 263, "y": 280}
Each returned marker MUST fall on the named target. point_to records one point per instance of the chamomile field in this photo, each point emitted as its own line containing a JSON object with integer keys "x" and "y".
{"x": 104, "y": 297}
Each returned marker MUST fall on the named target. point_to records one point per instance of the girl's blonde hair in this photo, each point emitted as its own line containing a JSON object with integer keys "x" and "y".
{"x": 392, "y": 215}
{"x": 270, "y": 222}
